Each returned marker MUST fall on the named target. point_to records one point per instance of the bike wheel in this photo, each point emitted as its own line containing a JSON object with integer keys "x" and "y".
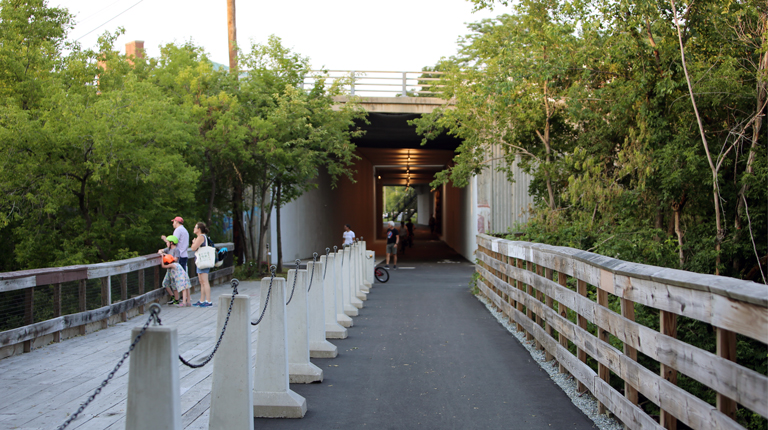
{"x": 382, "y": 275}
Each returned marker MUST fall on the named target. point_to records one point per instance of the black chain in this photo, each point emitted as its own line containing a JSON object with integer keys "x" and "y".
{"x": 295, "y": 277}
{"x": 235, "y": 283}
{"x": 314, "y": 261}
{"x": 266, "y": 302}
{"x": 154, "y": 311}
{"x": 325, "y": 269}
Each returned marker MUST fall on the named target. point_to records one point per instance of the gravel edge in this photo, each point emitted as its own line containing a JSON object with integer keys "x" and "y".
{"x": 585, "y": 402}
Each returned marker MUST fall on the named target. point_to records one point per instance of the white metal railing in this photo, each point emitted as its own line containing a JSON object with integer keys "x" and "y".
{"x": 382, "y": 83}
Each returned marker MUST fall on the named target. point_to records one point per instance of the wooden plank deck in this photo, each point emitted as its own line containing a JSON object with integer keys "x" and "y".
{"x": 41, "y": 389}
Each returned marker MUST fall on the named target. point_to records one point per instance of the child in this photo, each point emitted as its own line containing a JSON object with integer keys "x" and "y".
{"x": 176, "y": 276}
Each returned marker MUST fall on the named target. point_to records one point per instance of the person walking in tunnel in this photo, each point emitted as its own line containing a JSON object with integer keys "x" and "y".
{"x": 349, "y": 236}
{"x": 393, "y": 240}
{"x": 409, "y": 226}
{"x": 403, "y": 233}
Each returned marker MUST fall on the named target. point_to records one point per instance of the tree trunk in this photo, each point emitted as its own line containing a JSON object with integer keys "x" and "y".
{"x": 762, "y": 94}
{"x": 715, "y": 187}
{"x": 251, "y": 224}
{"x": 677, "y": 207}
{"x": 210, "y": 203}
{"x": 547, "y": 147}
{"x": 266, "y": 215}
{"x": 279, "y": 237}
{"x": 237, "y": 222}
{"x": 213, "y": 190}
{"x": 659, "y": 221}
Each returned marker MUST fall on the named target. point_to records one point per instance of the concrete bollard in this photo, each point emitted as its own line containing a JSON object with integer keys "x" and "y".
{"x": 232, "y": 380}
{"x": 357, "y": 273}
{"x": 318, "y": 346}
{"x": 154, "y": 396}
{"x": 349, "y": 278}
{"x": 300, "y": 370}
{"x": 361, "y": 285}
{"x": 364, "y": 256}
{"x": 272, "y": 397}
{"x": 342, "y": 280}
{"x": 370, "y": 259}
{"x": 333, "y": 330}
{"x": 334, "y": 278}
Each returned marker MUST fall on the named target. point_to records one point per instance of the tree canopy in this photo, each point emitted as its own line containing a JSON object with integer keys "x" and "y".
{"x": 592, "y": 98}
{"x": 101, "y": 150}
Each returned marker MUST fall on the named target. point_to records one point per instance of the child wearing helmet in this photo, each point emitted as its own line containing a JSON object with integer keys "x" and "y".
{"x": 176, "y": 279}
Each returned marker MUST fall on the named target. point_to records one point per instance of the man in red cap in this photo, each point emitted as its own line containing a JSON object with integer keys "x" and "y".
{"x": 183, "y": 235}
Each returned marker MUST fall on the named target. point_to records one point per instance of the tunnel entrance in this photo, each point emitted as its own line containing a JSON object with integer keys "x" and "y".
{"x": 390, "y": 154}
{"x": 402, "y": 169}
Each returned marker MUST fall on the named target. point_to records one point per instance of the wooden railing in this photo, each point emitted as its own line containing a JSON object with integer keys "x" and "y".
{"x": 87, "y": 289}
{"x": 383, "y": 83}
{"x": 529, "y": 283}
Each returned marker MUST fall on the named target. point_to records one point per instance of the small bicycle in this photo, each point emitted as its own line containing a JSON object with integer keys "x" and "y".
{"x": 381, "y": 274}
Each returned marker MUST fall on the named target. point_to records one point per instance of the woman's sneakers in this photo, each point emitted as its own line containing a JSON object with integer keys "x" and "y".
{"x": 200, "y": 304}
{"x": 173, "y": 302}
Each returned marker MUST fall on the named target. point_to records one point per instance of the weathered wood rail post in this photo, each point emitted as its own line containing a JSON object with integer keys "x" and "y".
{"x": 732, "y": 307}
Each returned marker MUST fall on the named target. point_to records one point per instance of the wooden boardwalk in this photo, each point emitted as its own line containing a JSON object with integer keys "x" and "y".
{"x": 41, "y": 389}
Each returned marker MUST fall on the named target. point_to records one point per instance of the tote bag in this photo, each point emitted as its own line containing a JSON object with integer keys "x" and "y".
{"x": 205, "y": 255}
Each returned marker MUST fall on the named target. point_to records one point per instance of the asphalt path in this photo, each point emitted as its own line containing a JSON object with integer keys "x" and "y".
{"x": 425, "y": 353}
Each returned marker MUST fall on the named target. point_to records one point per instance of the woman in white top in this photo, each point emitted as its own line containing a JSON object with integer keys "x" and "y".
{"x": 201, "y": 230}
{"x": 349, "y": 235}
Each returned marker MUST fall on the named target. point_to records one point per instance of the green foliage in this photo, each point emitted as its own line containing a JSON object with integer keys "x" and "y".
{"x": 100, "y": 150}
{"x": 592, "y": 99}
{"x": 473, "y": 288}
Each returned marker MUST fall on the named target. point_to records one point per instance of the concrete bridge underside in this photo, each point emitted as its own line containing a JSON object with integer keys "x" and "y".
{"x": 317, "y": 218}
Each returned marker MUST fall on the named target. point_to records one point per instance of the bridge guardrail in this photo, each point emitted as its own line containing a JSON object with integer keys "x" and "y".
{"x": 41, "y": 305}
{"x": 403, "y": 84}
{"x": 519, "y": 278}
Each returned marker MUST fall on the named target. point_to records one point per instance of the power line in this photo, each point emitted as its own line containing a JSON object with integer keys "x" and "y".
{"x": 106, "y": 22}
{"x": 100, "y": 11}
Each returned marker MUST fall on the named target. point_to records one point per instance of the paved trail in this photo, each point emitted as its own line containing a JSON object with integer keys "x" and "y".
{"x": 425, "y": 353}
{"x": 422, "y": 353}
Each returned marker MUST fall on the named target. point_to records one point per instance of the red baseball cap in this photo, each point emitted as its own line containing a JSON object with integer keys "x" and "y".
{"x": 178, "y": 219}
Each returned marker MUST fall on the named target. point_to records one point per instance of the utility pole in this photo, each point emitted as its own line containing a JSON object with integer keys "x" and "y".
{"x": 238, "y": 232}
{"x": 232, "y": 32}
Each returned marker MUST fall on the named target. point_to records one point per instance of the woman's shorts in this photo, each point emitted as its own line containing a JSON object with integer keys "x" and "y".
{"x": 199, "y": 270}
{"x": 391, "y": 248}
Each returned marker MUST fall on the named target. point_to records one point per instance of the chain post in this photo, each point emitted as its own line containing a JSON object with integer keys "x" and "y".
{"x": 272, "y": 269}
{"x": 325, "y": 269}
{"x": 234, "y": 284}
{"x": 314, "y": 260}
{"x": 154, "y": 311}
{"x": 295, "y": 277}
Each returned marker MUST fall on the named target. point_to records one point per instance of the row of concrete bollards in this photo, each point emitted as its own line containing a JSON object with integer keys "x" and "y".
{"x": 327, "y": 293}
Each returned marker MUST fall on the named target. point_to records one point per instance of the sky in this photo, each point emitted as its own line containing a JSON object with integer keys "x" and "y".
{"x": 393, "y": 35}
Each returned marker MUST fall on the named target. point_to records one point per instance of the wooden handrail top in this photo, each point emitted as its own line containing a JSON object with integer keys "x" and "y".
{"x": 21, "y": 279}
{"x": 593, "y": 265}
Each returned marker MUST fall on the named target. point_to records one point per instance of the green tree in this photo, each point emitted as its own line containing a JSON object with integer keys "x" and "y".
{"x": 294, "y": 132}
{"x": 93, "y": 163}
